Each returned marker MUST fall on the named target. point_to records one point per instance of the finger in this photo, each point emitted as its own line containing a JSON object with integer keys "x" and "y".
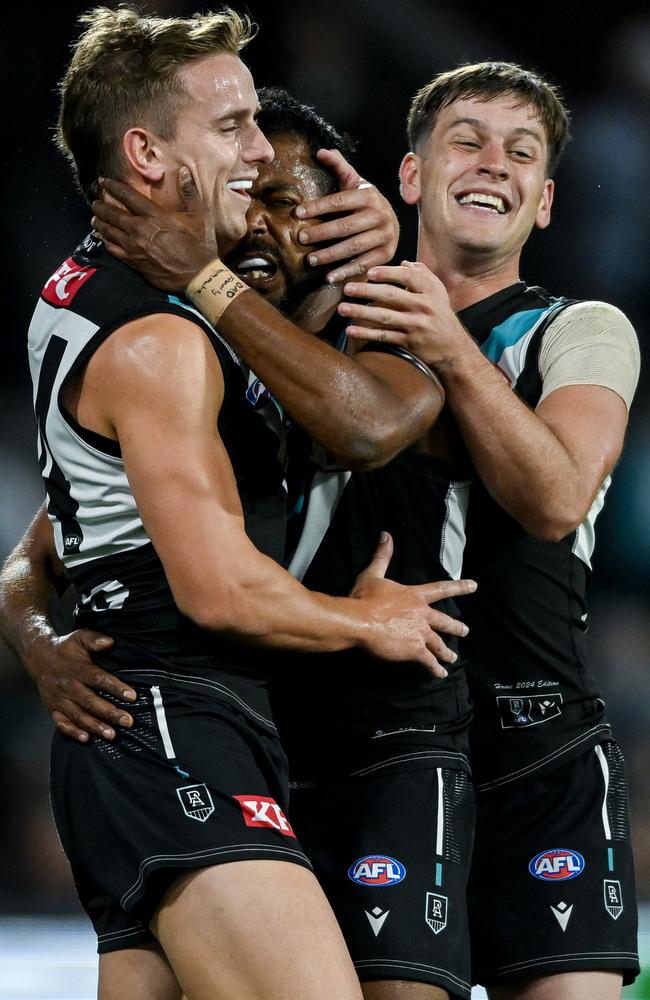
{"x": 440, "y": 650}
{"x": 84, "y": 722}
{"x": 351, "y": 224}
{"x": 187, "y": 189}
{"x": 67, "y": 728}
{"x": 427, "y": 659}
{"x": 339, "y": 201}
{"x": 357, "y": 332}
{"x": 137, "y": 203}
{"x": 102, "y": 680}
{"x": 110, "y": 235}
{"x": 432, "y": 592}
{"x": 82, "y": 700}
{"x": 441, "y": 622}
{"x": 346, "y": 176}
{"x": 110, "y": 213}
{"x": 379, "y": 317}
{"x": 381, "y": 557}
{"x": 357, "y": 266}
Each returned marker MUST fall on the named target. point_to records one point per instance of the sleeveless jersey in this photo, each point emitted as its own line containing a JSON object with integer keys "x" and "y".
{"x": 535, "y": 701}
{"x": 99, "y": 534}
{"x": 349, "y": 707}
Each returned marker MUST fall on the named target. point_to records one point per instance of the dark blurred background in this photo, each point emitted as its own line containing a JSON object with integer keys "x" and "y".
{"x": 359, "y": 62}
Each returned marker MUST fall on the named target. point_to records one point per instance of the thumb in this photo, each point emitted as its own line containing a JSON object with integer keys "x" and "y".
{"x": 95, "y": 640}
{"x": 381, "y": 557}
{"x": 187, "y": 189}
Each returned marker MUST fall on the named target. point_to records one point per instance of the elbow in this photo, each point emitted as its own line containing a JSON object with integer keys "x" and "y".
{"x": 370, "y": 449}
{"x": 552, "y": 526}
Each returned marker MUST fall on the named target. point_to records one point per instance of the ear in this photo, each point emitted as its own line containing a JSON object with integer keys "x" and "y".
{"x": 144, "y": 154}
{"x": 409, "y": 178}
{"x": 543, "y": 217}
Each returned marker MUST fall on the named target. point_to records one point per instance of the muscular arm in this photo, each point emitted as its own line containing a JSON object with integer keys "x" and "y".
{"x": 543, "y": 466}
{"x": 363, "y": 410}
{"x": 61, "y": 666}
{"x": 156, "y": 386}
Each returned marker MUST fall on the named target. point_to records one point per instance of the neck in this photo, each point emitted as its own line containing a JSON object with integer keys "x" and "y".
{"x": 467, "y": 277}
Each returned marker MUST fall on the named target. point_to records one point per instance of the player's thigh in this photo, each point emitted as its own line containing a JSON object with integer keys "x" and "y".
{"x": 390, "y": 989}
{"x": 391, "y": 850}
{"x": 141, "y": 973}
{"x": 254, "y": 929}
{"x": 552, "y": 884}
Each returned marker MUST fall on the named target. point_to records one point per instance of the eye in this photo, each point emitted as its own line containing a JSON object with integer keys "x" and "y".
{"x": 468, "y": 143}
{"x": 523, "y": 154}
{"x": 282, "y": 202}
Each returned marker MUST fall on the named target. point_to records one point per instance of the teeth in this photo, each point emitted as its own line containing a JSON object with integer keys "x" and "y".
{"x": 242, "y": 185}
{"x": 250, "y": 262}
{"x": 489, "y": 200}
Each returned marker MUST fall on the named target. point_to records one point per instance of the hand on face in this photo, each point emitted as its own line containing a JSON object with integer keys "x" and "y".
{"x": 367, "y": 231}
{"x": 409, "y": 306}
{"x": 167, "y": 248}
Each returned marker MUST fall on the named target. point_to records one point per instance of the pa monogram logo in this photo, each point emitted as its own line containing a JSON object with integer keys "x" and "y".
{"x": 196, "y": 801}
{"x": 435, "y": 912}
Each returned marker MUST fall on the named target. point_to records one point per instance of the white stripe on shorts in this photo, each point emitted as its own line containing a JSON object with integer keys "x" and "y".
{"x": 162, "y": 723}
{"x": 602, "y": 760}
{"x": 441, "y": 812}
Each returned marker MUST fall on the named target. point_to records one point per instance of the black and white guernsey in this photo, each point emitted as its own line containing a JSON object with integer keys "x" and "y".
{"x": 98, "y": 530}
{"x": 535, "y": 700}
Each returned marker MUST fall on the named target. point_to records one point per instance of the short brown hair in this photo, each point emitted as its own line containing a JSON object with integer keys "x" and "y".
{"x": 485, "y": 81}
{"x": 124, "y": 72}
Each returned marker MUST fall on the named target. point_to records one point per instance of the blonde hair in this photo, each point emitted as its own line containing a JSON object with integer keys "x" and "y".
{"x": 124, "y": 72}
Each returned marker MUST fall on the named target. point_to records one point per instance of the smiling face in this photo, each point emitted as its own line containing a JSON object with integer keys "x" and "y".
{"x": 480, "y": 182}
{"x": 218, "y": 138}
{"x": 270, "y": 258}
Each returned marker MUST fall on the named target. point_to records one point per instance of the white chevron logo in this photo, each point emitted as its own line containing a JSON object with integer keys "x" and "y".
{"x": 562, "y": 912}
{"x": 377, "y": 919}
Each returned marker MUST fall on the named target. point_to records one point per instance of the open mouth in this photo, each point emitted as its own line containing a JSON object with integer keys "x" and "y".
{"x": 258, "y": 269}
{"x": 489, "y": 203}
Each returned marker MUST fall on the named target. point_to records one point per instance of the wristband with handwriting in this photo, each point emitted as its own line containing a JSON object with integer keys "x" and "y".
{"x": 213, "y": 289}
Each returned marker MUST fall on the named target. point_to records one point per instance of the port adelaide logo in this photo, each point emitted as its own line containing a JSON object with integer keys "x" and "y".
{"x": 377, "y": 870}
{"x": 557, "y": 865}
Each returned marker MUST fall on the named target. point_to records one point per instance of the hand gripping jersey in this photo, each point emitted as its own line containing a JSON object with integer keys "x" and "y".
{"x": 534, "y": 698}
{"x": 99, "y": 534}
{"x": 349, "y": 711}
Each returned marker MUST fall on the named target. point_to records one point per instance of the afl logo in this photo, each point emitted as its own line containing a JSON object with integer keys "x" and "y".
{"x": 377, "y": 870}
{"x": 557, "y": 865}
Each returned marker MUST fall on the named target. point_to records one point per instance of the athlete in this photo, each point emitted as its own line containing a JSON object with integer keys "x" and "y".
{"x": 540, "y": 388}
{"x": 381, "y": 738}
{"x": 141, "y": 411}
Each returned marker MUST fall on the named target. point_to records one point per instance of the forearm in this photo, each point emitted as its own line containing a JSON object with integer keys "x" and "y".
{"x": 522, "y": 462}
{"x": 26, "y": 596}
{"x": 353, "y": 411}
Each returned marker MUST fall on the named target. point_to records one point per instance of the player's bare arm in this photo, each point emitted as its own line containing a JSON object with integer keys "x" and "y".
{"x": 544, "y": 466}
{"x": 156, "y": 385}
{"x": 62, "y": 666}
{"x": 362, "y": 410}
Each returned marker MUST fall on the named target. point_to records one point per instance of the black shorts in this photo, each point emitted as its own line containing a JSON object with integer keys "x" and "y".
{"x": 552, "y": 881}
{"x": 194, "y": 783}
{"x": 391, "y": 850}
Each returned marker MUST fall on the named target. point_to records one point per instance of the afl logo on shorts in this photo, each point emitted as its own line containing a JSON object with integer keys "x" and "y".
{"x": 557, "y": 865}
{"x": 377, "y": 870}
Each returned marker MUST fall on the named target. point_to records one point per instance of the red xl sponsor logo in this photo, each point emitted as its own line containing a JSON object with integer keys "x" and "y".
{"x": 259, "y": 810}
{"x": 64, "y": 284}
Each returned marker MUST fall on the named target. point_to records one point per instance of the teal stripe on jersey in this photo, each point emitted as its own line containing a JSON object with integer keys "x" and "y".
{"x": 507, "y": 334}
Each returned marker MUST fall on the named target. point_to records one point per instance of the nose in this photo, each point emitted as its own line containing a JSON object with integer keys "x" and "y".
{"x": 256, "y": 218}
{"x": 494, "y": 161}
{"x": 258, "y": 148}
